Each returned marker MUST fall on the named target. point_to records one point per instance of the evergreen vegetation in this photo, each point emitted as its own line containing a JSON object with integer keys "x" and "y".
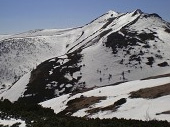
{"x": 43, "y": 85}
{"x": 36, "y": 116}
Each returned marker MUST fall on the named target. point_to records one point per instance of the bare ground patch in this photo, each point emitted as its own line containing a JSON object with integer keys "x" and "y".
{"x": 80, "y": 103}
{"x": 153, "y": 92}
{"x": 158, "y": 76}
{"x": 166, "y": 112}
{"x": 112, "y": 107}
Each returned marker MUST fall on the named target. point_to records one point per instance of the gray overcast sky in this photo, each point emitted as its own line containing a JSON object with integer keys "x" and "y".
{"x": 23, "y": 15}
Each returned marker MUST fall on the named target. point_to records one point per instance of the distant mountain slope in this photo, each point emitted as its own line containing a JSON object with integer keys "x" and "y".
{"x": 112, "y": 48}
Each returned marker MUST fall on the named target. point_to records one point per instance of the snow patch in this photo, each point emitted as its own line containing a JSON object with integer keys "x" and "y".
{"x": 17, "y": 90}
{"x": 12, "y": 121}
{"x": 137, "y": 108}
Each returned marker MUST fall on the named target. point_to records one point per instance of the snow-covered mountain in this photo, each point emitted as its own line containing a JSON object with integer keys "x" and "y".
{"x": 21, "y": 53}
{"x": 116, "y": 47}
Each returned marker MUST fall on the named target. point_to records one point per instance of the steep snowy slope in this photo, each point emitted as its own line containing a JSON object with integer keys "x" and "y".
{"x": 21, "y": 53}
{"x": 139, "y": 49}
{"x": 17, "y": 90}
{"x": 112, "y": 48}
{"x": 138, "y": 99}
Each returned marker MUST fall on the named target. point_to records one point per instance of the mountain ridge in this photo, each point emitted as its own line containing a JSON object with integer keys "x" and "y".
{"x": 114, "y": 47}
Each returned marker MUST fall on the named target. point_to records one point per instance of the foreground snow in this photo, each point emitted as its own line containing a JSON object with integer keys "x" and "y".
{"x": 137, "y": 108}
{"x": 11, "y": 122}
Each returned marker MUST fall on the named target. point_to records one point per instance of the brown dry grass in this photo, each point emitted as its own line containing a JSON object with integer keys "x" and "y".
{"x": 158, "y": 76}
{"x": 166, "y": 112}
{"x": 112, "y": 107}
{"x": 153, "y": 92}
{"x": 80, "y": 103}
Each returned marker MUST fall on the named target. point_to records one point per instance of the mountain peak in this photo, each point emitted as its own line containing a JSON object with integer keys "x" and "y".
{"x": 137, "y": 11}
{"x": 113, "y": 13}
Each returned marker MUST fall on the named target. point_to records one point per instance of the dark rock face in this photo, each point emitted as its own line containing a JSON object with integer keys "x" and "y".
{"x": 150, "y": 61}
{"x": 152, "y": 15}
{"x": 163, "y": 64}
{"x": 129, "y": 41}
{"x": 117, "y": 41}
